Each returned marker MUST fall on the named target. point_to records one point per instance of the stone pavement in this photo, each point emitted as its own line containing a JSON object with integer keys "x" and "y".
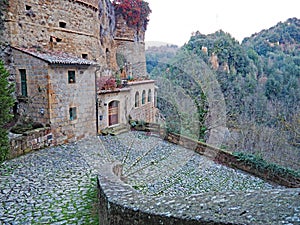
{"x": 51, "y": 186}
{"x": 57, "y": 185}
{"x": 153, "y": 166}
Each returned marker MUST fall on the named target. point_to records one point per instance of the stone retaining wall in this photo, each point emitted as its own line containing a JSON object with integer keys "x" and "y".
{"x": 29, "y": 141}
{"x": 120, "y": 204}
{"x": 228, "y": 159}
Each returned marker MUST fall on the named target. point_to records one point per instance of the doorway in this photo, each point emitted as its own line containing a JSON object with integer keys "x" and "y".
{"x": 113, "y": 113}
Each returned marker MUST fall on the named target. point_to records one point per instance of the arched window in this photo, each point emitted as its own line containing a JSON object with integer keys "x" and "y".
{"x": 149, "y": 95}
{"x": 144, "y": 97}
{"x": 137, "y": 99}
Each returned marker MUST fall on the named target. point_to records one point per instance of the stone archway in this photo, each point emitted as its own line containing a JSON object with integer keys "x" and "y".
{"x": 113, "y": 113}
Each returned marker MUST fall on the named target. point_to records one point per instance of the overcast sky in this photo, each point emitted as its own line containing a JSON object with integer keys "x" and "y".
{"x": 173, "y": 21}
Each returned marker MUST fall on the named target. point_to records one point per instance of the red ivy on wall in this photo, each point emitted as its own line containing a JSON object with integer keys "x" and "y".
{"x": 135, "y": 12}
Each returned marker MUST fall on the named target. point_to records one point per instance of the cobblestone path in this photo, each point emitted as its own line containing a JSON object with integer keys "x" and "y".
{"x": 51, "y": 186}
{"x": 156, "y": 167}
{"x": 58, "y": 185}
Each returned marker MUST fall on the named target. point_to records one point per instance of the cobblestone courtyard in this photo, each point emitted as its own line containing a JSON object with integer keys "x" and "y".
{"x": 58, "y": 185}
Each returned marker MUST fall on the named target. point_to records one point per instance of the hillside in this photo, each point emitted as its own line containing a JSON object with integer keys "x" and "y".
{"x": 260, "y": 81}
{"x": 159, "y": 54}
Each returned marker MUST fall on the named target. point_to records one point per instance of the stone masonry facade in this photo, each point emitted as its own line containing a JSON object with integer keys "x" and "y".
{"x": 50, "y": 96}
{"x": 136, "y": 102}
{"x": 47, "y": 45}
{"x": 131, "y": 47}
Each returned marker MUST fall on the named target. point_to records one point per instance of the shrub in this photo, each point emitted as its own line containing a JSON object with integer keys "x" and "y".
{"x": 135, "y": 12}
{"x": 7, "y": 102}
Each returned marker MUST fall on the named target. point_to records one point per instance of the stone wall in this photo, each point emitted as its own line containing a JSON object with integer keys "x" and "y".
{"x": 123, "y": 97}
{"x": 29, "y": 141}
{"x": 63, "y": 96}
{"x": 131, "y": 47}
{"x": 5, "y": 51}
{"x": 146, "y": 111}
{"x": 134, "y": 54}
{"x": 3, "y": 14}
{"x": 126, "y": 99}
{"x": 228, "y": 159}
{"x": 50, "y": 97}
{"x": 120, "y": 204}
{"x": 37, "y": 87}
{"x": 73, "y": 26}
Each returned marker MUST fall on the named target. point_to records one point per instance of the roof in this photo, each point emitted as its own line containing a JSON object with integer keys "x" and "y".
{"x": 57, "y": 57}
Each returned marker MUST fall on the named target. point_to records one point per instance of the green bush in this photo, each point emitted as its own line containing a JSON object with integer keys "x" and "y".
{"x": 259, "y": 163}
{"x": 7, "y": 102}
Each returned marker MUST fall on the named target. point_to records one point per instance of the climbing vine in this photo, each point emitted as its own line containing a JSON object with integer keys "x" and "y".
{"x": 135, "y": 12}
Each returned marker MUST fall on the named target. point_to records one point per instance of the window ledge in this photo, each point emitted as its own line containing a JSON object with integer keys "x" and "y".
{"x": 22, "y": 98}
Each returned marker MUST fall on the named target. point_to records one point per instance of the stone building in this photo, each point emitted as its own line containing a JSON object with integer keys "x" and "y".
{"x": 134, "y": 101}
{"x": 59, "y": 91}
{"x": 57, "y": 50}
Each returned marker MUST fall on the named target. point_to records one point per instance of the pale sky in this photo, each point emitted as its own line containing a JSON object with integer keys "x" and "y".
{"x": 173, "y": 21}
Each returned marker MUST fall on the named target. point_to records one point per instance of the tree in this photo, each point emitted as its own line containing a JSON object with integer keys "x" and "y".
{"x": 6, "y": 101}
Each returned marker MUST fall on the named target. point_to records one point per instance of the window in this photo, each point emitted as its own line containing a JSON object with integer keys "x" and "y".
{"x": 55, "y": 39}
{"x": 155, "y": 98}
{"x": 23, "y": 82}
{"x": 62, "y": 24}
{"x": 108, "y": 57}
{"x": 72, "y": 112}
{"x": 71, "y": 77}
{"x": 84, "y": 56}
{"x": 149, "y": 95}
{"x": 143, "y": 97}
{"x": 137, "y": 96}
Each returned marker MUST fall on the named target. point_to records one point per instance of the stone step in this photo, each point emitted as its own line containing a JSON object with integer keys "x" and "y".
{"x": 116, "y": 130}
{"x": 120, "y": 131}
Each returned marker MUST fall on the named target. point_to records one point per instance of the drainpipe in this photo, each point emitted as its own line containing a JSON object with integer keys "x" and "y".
{"x": 96, "y": 95}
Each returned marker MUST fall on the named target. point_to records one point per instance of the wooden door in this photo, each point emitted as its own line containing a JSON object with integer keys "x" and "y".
{"x": 113, "y": 113}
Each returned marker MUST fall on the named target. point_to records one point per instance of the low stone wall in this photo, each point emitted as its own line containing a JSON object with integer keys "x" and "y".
{"x": 120, "y": 204}
{"x": 228, "y": 159}
{"x": 29, "y": 141}
{"x": 223, "y": 157}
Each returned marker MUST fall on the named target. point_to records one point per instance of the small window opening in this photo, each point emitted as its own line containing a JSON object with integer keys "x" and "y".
{"x": 71, "y": 77}
{"x": 55, "y": 39}
{"x": 84, "y": 56}
{"x": 137, "y": 99}
{"x": 23, "y": 82}
{"x": 73, "y": 113}
{"x": 27, "y": 7}
{"x": 143, "y": 97}
{"x": 108, "y": 57}
{"x": 149, "y": 95}
{"x": 62, "y": 24}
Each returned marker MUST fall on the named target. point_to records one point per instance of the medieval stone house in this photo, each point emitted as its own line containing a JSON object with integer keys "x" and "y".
{"x": 58, "y": 91}
{"x": 135, "y": 101}
{"x": 56, "y": 51}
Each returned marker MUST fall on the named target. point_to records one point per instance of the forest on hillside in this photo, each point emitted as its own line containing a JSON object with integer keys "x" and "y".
{"x": 260, "y": 84}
